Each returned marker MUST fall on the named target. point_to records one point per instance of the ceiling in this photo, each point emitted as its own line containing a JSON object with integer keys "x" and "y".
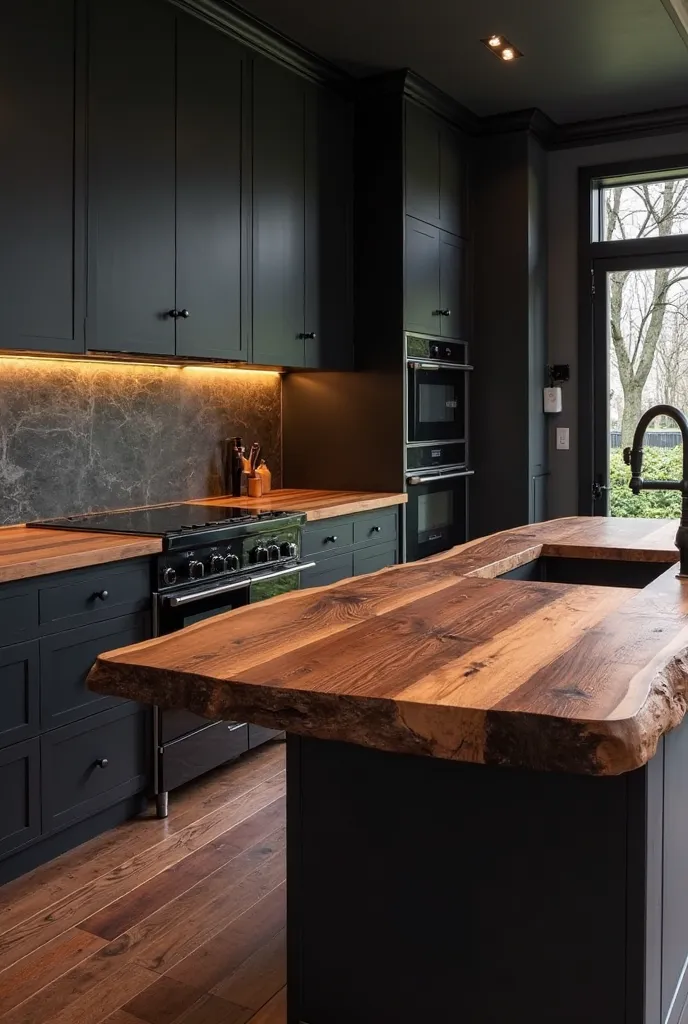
{"x": 582, "y": 58}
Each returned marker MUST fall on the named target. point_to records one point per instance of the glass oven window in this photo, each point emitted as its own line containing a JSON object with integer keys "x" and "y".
{"x": 435, "y": 511}
{"x": 437, "y": 403}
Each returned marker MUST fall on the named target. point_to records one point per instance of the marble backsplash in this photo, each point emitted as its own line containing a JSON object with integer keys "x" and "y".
{"x": 80, "y": 437}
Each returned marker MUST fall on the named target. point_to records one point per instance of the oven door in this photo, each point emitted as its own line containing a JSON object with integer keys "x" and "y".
{"x": 437, "y": 401}
{"x": 436, "y": 513}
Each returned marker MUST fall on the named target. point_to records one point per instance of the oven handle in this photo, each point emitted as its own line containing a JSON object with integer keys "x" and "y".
{"x": 438, "y": 477}
{"x": 414, "y": 365}
{"x": 226, "y": 588}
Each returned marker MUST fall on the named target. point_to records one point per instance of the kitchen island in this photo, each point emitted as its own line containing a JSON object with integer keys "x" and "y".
{"x": 486, "y": 779}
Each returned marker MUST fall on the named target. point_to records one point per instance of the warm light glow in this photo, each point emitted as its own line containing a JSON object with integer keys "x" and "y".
{"x": 507, "y": 54}
{"x": 127, "y": 366}
{"x": 494, "y": 41}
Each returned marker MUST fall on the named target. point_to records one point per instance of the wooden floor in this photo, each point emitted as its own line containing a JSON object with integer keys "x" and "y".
{"x": 159, "y": 922}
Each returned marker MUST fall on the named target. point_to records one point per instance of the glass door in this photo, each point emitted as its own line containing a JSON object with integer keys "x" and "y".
{"x": 640, "y": 330}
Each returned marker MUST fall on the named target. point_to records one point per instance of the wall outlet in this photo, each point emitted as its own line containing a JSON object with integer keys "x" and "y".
{"x": 563, "y": 438}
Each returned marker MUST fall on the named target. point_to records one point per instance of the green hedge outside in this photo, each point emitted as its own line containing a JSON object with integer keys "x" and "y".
{"x": 658, "y": 464}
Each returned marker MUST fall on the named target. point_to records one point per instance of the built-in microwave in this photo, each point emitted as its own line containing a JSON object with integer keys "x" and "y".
{"x": 437, "y": 390}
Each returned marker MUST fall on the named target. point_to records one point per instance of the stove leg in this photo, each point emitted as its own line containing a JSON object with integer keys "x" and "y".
{"x": 161, "y": 804}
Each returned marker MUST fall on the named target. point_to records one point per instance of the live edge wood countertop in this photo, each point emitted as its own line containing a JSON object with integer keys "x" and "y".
{"x": 442, "y": 659}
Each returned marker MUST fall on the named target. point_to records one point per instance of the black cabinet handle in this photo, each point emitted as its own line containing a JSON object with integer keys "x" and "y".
{"x": 331, "y": 540}
{"x": 184, "y": 314}
{"x": 309, "y": 335}
{"x": 443, "y": 312}
{"x": 177, "y": 313}
{"x": 102, "y": 762}
{"x": 102, "y": 595}
{"x": 375, "y": 529}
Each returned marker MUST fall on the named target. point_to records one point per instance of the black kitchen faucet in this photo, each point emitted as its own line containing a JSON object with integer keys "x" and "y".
{"x": 633, "y": 457}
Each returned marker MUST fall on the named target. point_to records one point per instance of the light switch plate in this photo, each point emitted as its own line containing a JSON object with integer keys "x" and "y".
{"x": 563, "y": 438}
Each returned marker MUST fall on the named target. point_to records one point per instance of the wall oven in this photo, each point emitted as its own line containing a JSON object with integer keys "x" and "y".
{"x": 436, "y": 390}
{"x": 437, "y": 512}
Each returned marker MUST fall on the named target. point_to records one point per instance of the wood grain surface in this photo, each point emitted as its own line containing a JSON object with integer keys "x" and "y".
{"x": 35, "y": 552}
{"x": 443, "y": 659}
{"x": 316, "y": 504}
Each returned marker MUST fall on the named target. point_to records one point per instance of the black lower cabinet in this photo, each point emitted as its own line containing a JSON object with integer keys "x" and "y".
{"x": 347, "y": 546}
{"x": 72, "y": 763}
{"x": 20, "y": 795}
{"x": 92, "y": 764}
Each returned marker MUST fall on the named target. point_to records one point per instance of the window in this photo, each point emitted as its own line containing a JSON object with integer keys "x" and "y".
{"x": 631, "y": 209}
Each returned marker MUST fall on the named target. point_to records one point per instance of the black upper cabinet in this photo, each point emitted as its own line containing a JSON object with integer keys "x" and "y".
{"x": 211, "y": 241}
{"x": 131, "y": 209}
{"x": 279, "y": 125}
{"x": 329, "y": 231}
{"x": 302, "y": 217}
{"x": 435, "y": 288}
{"x": 41, "y": 176}
{"x": 435, "y": 172}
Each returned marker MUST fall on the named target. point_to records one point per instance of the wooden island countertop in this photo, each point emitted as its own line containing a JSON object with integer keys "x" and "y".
{"x": 441, "y": 658}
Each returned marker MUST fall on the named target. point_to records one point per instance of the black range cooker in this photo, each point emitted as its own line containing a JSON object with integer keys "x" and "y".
{"x": 214, "y": 559}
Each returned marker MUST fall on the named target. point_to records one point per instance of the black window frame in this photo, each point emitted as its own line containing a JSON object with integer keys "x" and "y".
{"x": 591, "y": 180}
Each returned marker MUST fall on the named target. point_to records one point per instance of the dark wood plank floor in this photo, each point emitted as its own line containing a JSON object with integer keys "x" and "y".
{"x": 159, "y": 922}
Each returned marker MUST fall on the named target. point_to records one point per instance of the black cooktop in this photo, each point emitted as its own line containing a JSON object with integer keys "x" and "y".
{"x": 167, "y": 521}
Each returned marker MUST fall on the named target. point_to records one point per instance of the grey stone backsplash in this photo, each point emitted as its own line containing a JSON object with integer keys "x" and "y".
{"x": 81, "y": 437}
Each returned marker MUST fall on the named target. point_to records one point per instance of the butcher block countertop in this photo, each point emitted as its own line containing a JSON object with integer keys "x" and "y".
{"x": 28, "y": 552}
{"x": 316, "y": 504}
{"x": 442, "y": 659}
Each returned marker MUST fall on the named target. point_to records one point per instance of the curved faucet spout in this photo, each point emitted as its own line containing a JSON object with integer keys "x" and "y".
{"x": 633, "y": 457}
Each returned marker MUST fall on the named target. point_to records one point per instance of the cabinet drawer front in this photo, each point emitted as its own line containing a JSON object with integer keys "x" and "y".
{"x": 377, "y": 529}
{"x": 329, "y": 570}
{"x": 20, "y": 800}
{"x": 93, "y": 764}
{"x": 19, "y": 716}
{"x": 372, "y": 559}
{"x": 71, "y": 600}
{"x": 328, "y": 537}
{"x": 18, "y": 613}
{"x": 66, "y": 660}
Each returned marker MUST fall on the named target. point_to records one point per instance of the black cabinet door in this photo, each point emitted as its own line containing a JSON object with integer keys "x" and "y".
{"x": 422, "y": 165}
{"x": 41, "y": 177}
{"x": 131, "y": 167}
{"x": 452, "y": 286}
{"x": 329, "y": 231}
{"x": 278, "y": 216}
{"x": 422, "y": 294}
{"x": 20, "y": 786}
{"x": 211, "y": 242}
{"x": 435, "y": 171}
{"x": 453, "y": 216}
{"x": 19, "y": 689}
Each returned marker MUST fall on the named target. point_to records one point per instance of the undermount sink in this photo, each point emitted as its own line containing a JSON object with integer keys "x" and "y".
{"x": 598, "y": 572}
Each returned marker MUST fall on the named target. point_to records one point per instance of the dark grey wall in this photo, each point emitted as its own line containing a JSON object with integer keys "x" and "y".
{"x": 509, "y": 353}
{"x": 76, "y": 437}
{"x": 562, "y": 167}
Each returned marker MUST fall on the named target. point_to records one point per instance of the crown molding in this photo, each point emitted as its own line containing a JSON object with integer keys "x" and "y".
{"x": 609, "y": 129}
{"x": 243, "y": 27}
{"x": 406, "y": 84}
{"x": 532, "y": 120}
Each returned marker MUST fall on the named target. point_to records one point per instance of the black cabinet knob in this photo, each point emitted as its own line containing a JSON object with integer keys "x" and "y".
{"x": 309, "y": 335}
{"x": 102, "y": 595}
{"x": 375, "y": 529}
{"x": 177, "y": 313}
{"x": 443, "y": 312}
{"x": 184, "y": 314}
{"x": 102, "y": 762}
{"x": 331, "y": 540}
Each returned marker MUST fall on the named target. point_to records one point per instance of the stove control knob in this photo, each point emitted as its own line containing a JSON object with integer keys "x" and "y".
{"x": 217, "y": 563}
{"x": 169, "y": 576}
{"x": 260, "y": 554}
{"x": 288, "y": 550}
{"x": 196, "y": 570}
{"x": 448, "y": 352}
{"x": 273, "y": 552}
{"x": 434, "y": 351}
{"x": 232, "y": 563}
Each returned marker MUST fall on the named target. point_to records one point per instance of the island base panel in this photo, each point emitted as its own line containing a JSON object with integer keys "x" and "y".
{"x": 421, "y": 889}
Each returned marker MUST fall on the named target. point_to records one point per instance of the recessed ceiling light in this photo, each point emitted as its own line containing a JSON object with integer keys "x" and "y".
{"x": 501, "y": 47}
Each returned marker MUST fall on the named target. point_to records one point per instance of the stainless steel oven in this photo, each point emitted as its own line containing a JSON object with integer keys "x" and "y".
{"x": 436, "y": 390}
{"x": 437, "y": 512}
